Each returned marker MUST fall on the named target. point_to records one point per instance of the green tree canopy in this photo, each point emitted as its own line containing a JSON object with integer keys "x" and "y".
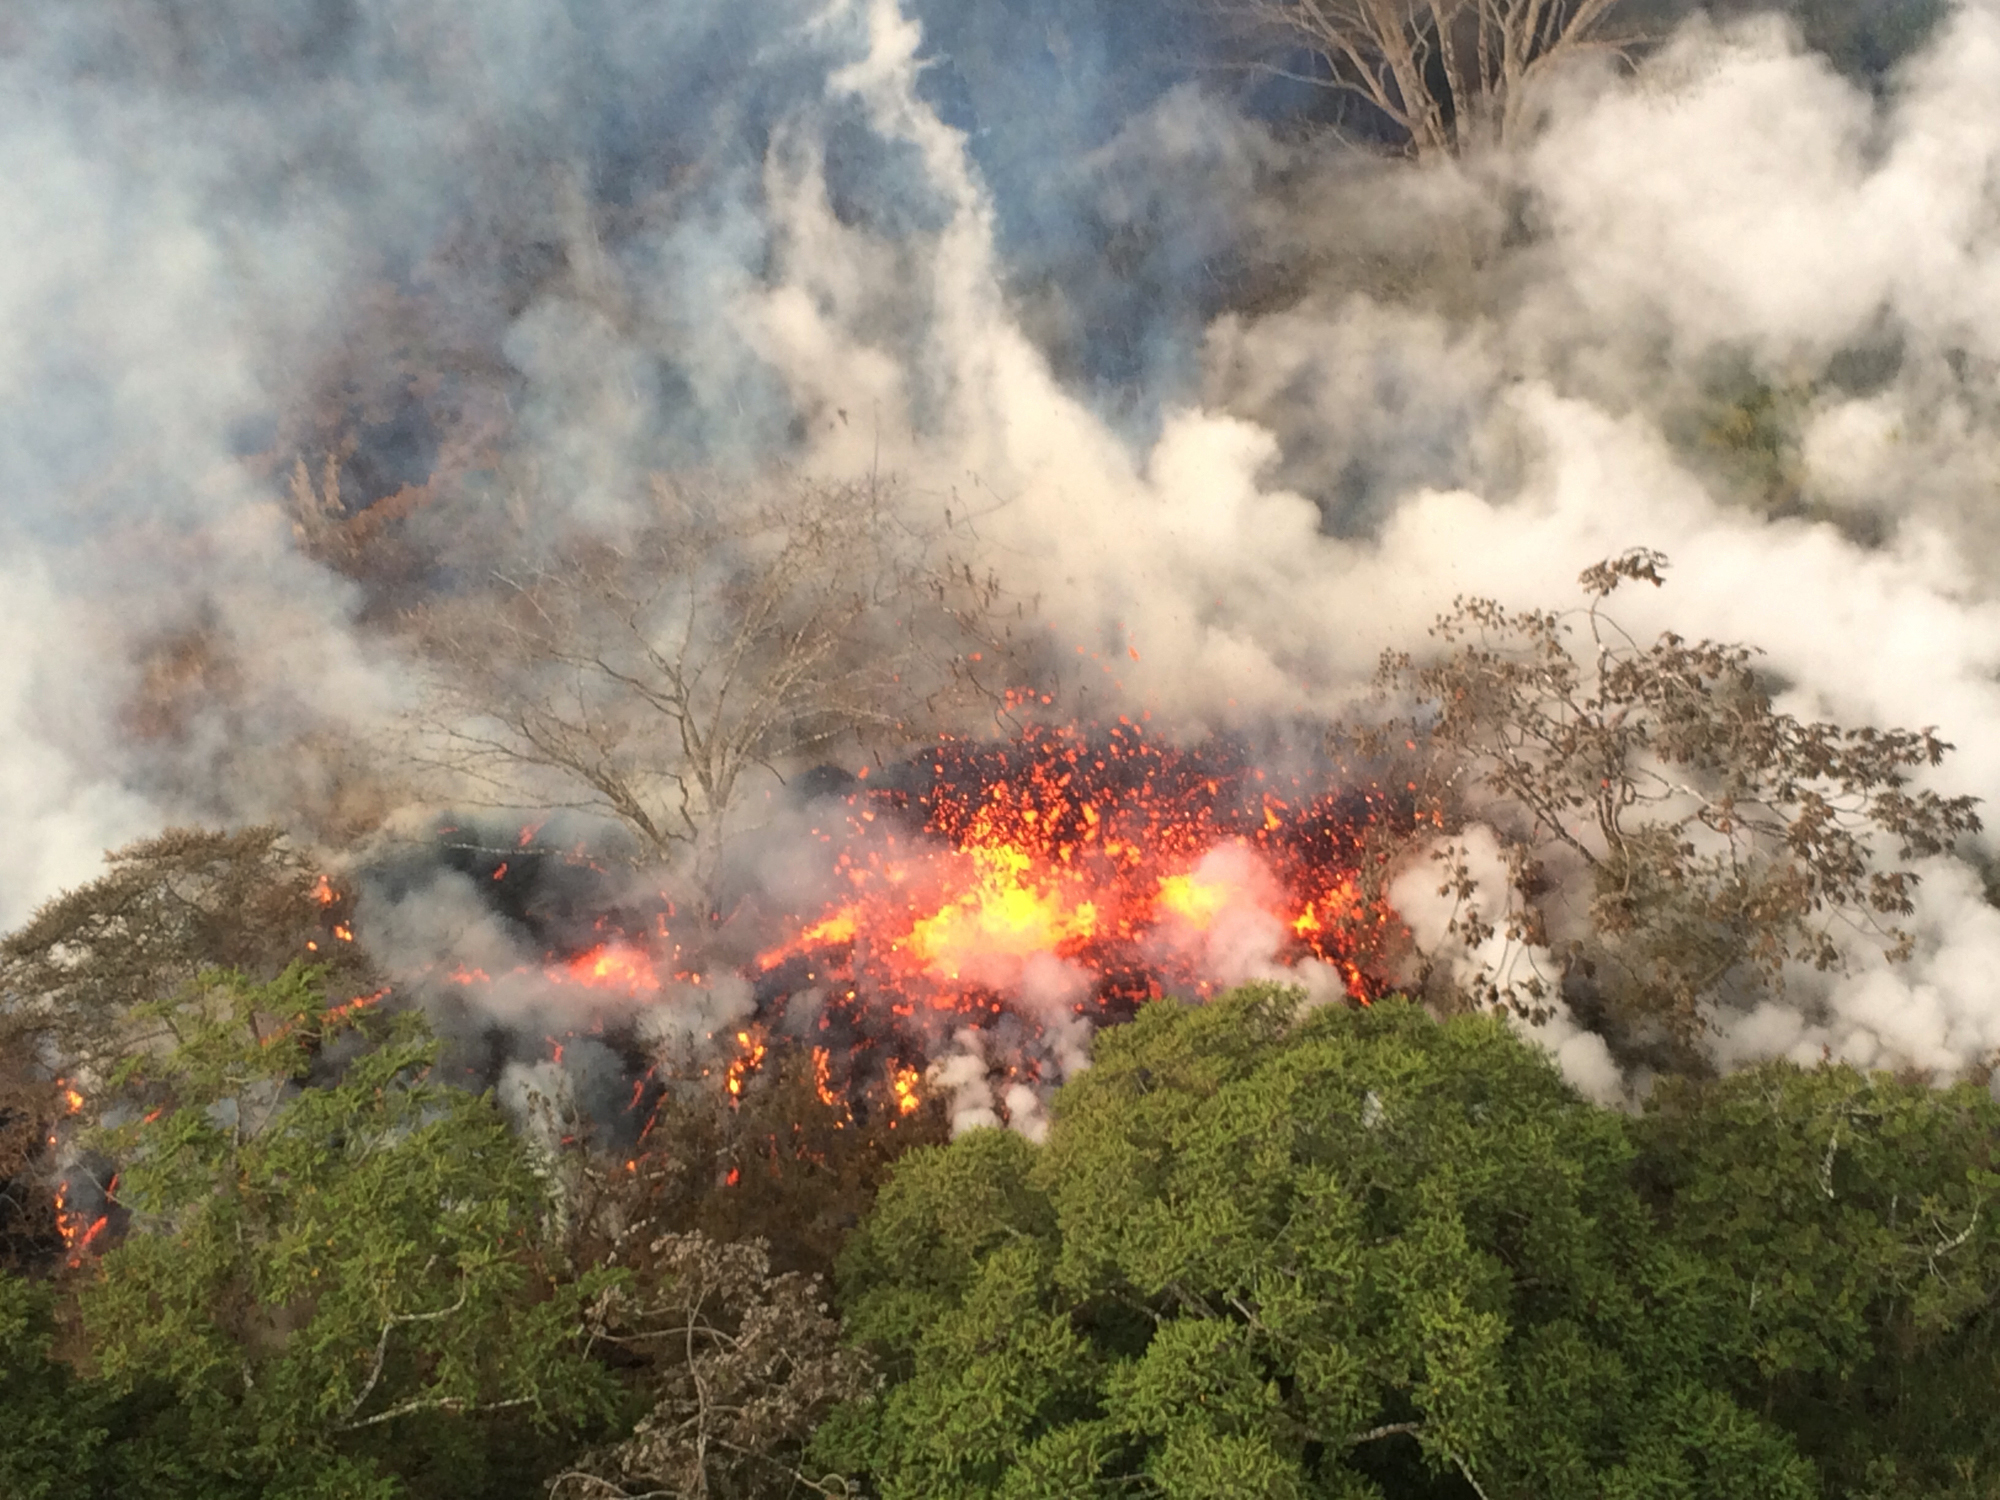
{"x": 334, "y": 1263}
{"x": 1275, "y": 1252}
{"x": 1272, "y": 1254}
{"x": 1833, "y": 1237}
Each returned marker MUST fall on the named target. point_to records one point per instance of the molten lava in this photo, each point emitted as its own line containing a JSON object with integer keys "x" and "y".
{"x": 610, "y": 966}
{"x": 1023, "y": 891}
{"x": 1103, "y": 870}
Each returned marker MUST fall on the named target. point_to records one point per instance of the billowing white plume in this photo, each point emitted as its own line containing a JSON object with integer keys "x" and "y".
{"x": 719, "y": 237}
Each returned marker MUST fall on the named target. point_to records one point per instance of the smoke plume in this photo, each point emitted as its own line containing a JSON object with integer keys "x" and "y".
{"x": 302, "y": 305}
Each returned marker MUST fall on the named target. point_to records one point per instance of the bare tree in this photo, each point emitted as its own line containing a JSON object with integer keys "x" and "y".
{"x": 645, "y": 678}
{"x": 739, "y": 1364}
{"x": 1722, "y": 841}
{"x": 1452, "y": 75}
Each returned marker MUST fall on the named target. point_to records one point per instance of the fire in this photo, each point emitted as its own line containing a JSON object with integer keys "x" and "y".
{"x": 823, "y": 1078}
{"x": 748, "y": 1062}
{"x": 1193, "y": 900}
{"x": 1007, "y": 909}
{"x": 611, "y": 966}
{"x": 323, "y": 891}
{"x": 358, "y": 1003}
{"x": 838, "y": 928}
{"x": 1107, "y": 867}
{"x": 1024, "y": 890}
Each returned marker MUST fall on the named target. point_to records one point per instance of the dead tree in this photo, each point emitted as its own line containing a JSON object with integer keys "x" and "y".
{"x": 1452, "y": 75}
{"x": 646, "y": 678}
{"x": 739, "y": 1366}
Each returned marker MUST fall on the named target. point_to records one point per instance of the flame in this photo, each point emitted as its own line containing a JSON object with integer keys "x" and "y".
{"x": 1103, "y": 853}
{"x": 80, "y": 1231}
{"x": 903, "y": 1085}
{"x": 610, "y": 966}
{"x": 838, "y": 928}
{"x": 823, "y": 1078}
{"x": 751, "y": 1059}
{"x": 1009, "y": 910}
{"x": 323, "y": 891}
{"x": 359, "y": 1003}
{"x": 1195, "y": 901}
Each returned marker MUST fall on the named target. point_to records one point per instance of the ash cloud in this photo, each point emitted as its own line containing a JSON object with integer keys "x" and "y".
{"x": 1234, "y": 408}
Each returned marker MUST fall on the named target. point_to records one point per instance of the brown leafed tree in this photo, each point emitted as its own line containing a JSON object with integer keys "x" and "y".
{"x": 1451, "y": 75}
{"x": 30, "y": 1105}
{"x": 789, "y": 1153}
{"x": 166, "y": 910}
{"x": 1721, "y": 842}
{"x": 738, "y": 1366}
{"x": 647, "y": 678}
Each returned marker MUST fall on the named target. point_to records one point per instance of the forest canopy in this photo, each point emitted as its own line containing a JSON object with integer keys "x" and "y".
{"x": 1266, "y": 1249}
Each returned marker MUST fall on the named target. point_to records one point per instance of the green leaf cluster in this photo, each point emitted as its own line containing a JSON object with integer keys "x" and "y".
{"x": 1267, "y": 1252}
{"x": 1833, "y": 1237}
{"x": 333, "y": 1273}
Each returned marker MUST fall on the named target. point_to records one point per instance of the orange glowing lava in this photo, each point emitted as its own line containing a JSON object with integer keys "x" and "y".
{"x": 611, "y": 966}
{"x": 1100, "y": 869}
{"x": 1022, "y": 889}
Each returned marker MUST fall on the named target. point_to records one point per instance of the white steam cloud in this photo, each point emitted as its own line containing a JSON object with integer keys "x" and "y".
{"x": 1475, "y": 380}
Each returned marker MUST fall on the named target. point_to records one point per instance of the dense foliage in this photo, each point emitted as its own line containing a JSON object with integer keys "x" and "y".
{"x": 332, "y": 1279}
{"x": 1363, "y": 1253}
{"x": 1265, "y": 1250}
